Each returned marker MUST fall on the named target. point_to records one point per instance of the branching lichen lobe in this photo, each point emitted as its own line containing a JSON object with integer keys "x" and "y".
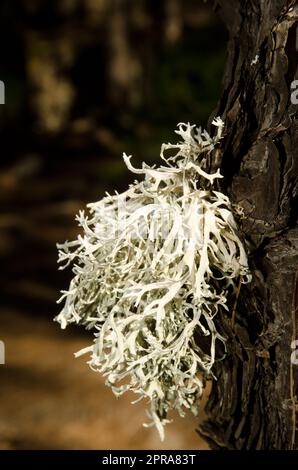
{"x": 151, "y": 270}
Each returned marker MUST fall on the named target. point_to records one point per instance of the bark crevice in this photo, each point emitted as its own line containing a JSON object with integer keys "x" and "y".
{"x": 253, "y": 403}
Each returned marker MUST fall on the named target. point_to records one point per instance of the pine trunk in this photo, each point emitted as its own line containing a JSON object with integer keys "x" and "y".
{"x": 253, "y": 402}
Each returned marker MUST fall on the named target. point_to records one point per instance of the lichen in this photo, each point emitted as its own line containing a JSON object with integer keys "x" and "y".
{"x": 151, "y": 270}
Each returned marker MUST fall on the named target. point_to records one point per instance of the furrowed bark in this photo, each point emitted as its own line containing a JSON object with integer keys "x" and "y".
{"x": 253, "y": 403}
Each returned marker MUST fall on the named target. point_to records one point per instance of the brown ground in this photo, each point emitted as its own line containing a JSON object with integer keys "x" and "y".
{"x": 49, "y": 400}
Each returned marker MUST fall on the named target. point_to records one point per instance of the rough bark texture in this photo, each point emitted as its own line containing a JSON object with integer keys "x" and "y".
{"x": 253, "y": 404}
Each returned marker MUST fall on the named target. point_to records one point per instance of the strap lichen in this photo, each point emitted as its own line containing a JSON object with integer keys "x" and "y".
{"x": 151, "y": 270}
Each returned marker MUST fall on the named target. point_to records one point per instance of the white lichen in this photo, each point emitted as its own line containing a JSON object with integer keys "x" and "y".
{"x": 255, "y": 60}
{"x": 151, "y": 270}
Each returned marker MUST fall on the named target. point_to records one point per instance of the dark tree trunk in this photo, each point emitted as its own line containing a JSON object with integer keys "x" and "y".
{"x": 253, "y": 403}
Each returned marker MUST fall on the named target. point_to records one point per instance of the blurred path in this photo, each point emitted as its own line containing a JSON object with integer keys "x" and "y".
{"x": 49, "y": 400}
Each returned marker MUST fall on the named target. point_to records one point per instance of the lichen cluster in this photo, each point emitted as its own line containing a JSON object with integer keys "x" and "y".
{"x": 151, "y": 270}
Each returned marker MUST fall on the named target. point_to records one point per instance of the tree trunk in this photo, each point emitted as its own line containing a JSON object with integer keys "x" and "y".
{"x": 253, "y": 402}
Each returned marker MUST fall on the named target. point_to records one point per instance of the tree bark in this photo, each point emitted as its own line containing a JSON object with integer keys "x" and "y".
{"x": 253, "y": 402}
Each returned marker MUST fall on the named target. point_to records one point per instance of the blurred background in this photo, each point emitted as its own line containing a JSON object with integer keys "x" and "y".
{"x": 84, "y": 80}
